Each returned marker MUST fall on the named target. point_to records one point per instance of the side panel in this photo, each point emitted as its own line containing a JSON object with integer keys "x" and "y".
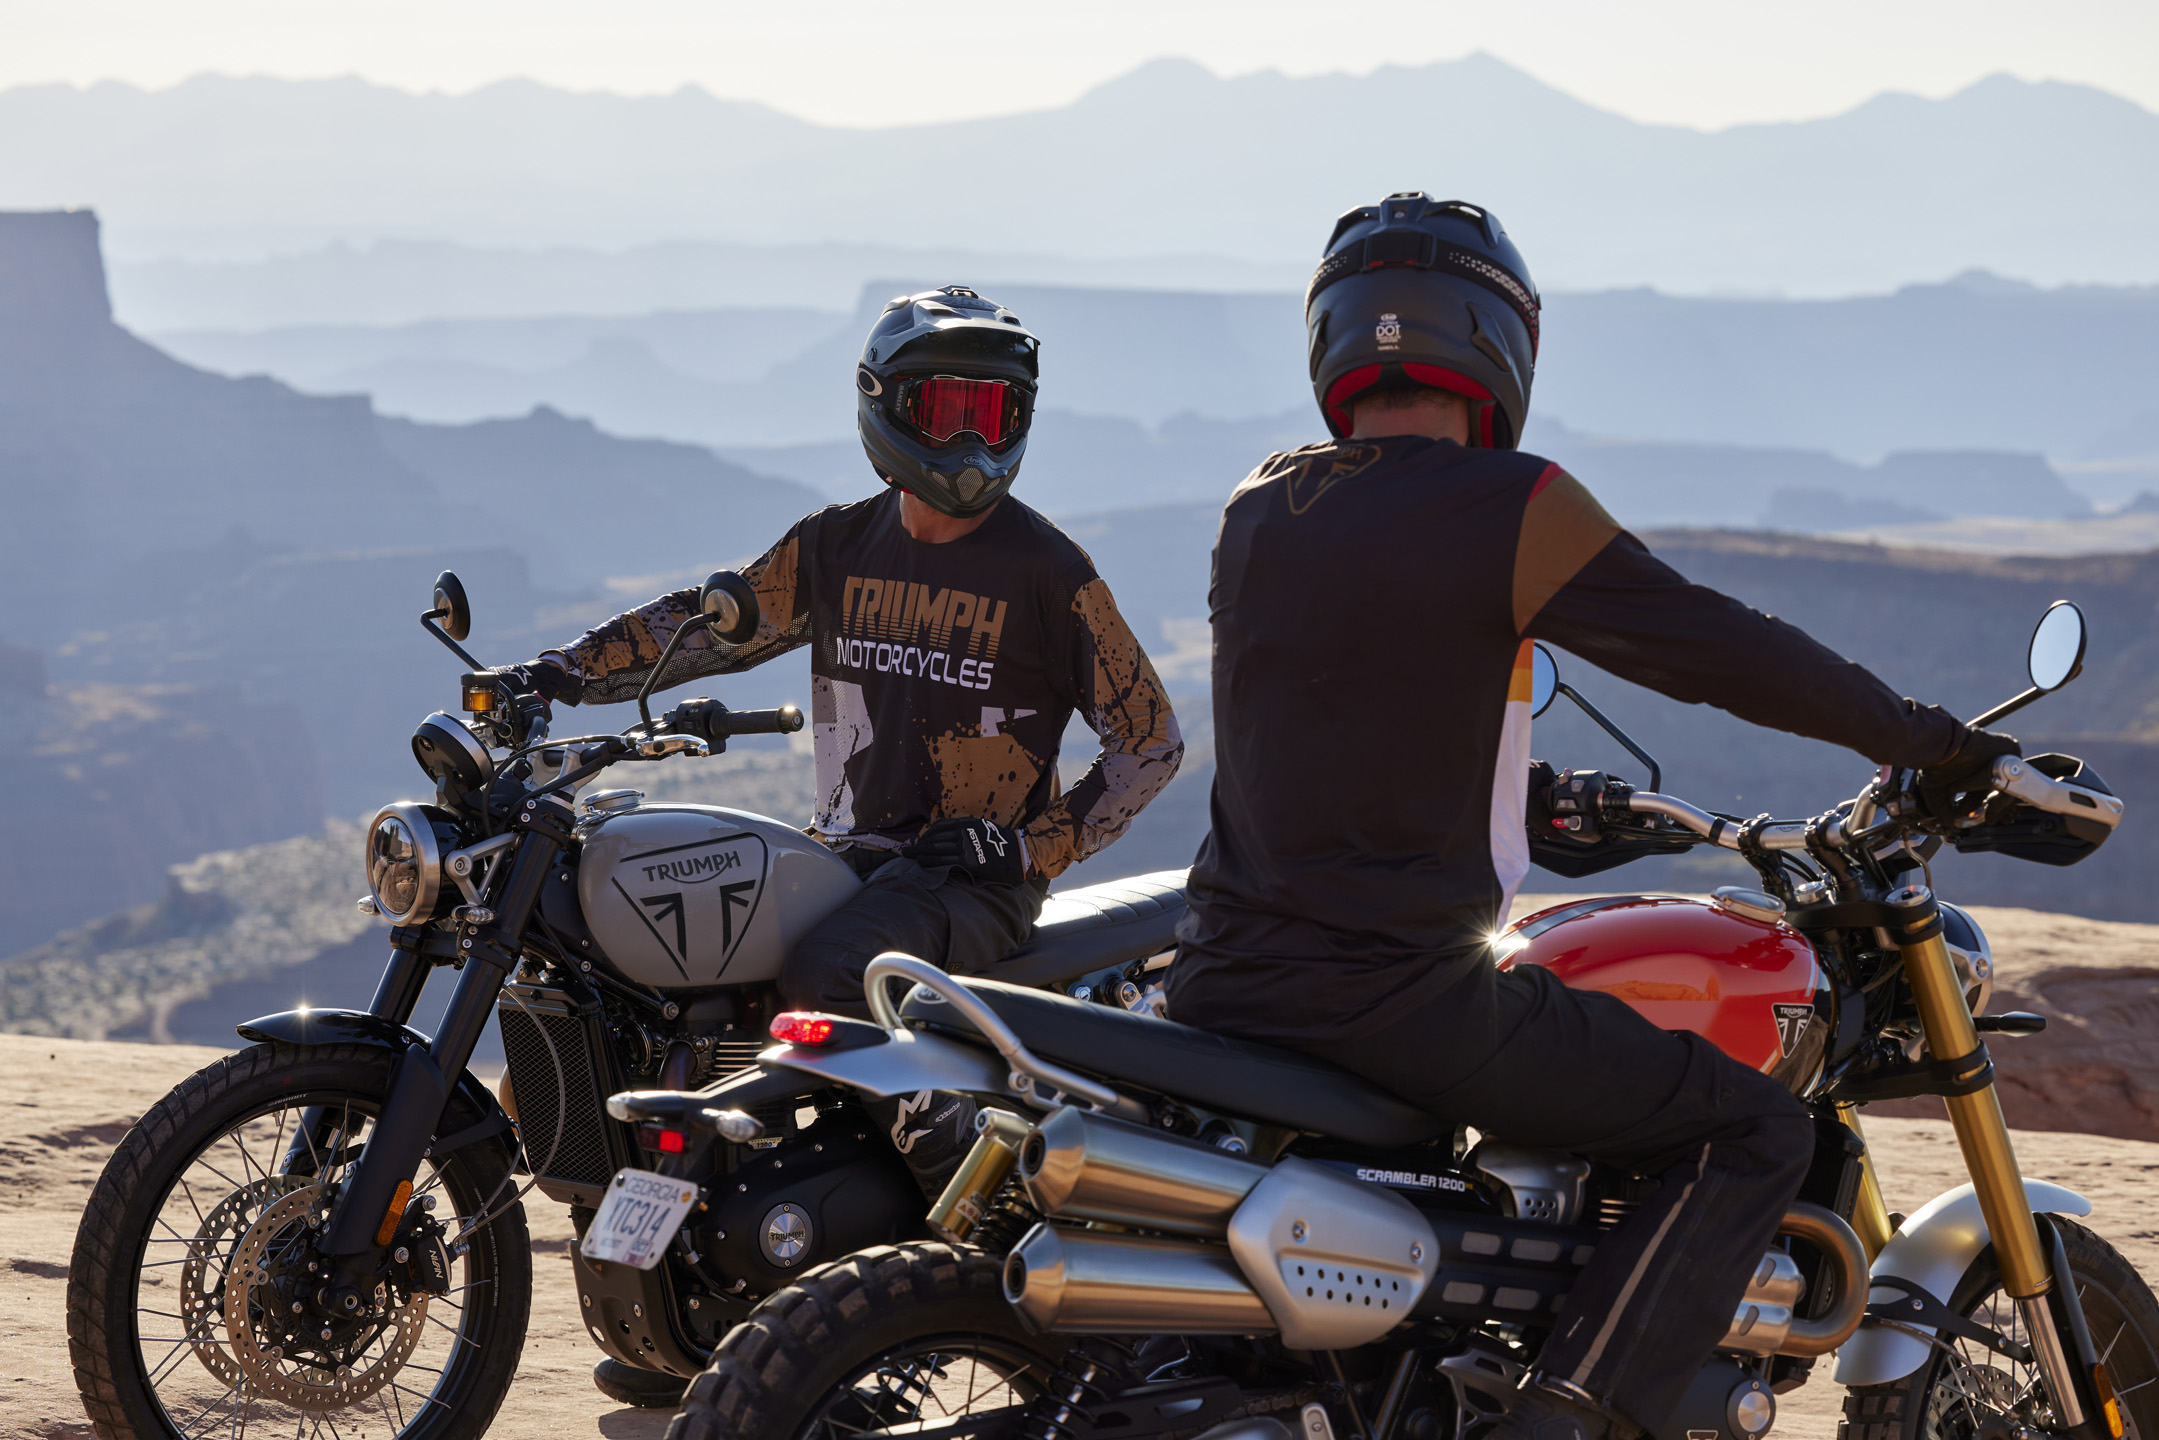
{"x": 689, "y": 896}
{"x": 1932, "y": 1250}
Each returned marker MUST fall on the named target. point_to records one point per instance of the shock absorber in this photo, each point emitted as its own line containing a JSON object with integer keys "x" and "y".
{"x": 1090, "y": 1370}
{"x": 1007, "y": 1219}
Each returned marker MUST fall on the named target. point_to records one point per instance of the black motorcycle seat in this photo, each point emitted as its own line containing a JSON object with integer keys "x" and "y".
{"x": 1096, "y": 927}
{"x": 1214, "y": 1072}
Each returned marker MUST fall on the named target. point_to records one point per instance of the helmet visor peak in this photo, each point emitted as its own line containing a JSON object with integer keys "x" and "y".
{"x": 943, "y": 407}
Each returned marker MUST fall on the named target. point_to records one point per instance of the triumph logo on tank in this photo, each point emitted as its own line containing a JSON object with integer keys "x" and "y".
{"x": 1388, "y": 332}
{"x": 698, "y": 902}
{"x": 1792, "y": 1022}
{"x": 696, "y": 869}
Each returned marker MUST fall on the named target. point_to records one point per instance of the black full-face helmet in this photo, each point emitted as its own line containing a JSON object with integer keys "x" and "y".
{"x": 1417, "y": 291}
{"x": 947, "y": 382}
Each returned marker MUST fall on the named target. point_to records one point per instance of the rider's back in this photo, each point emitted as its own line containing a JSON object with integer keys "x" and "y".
{"x": 1373, "y": 605}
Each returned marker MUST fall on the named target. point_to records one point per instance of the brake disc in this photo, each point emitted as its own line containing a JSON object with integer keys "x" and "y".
{"x": 201, "y": 1303}
{"x": 333, "y": 1374}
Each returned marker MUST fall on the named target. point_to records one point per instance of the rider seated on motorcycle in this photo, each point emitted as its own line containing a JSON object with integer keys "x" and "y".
{"x": 955, "y": 631}
{"x": 1343, "y": 905}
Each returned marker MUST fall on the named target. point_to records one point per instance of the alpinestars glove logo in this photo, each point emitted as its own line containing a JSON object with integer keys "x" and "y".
{"x": 903, "y": 1139}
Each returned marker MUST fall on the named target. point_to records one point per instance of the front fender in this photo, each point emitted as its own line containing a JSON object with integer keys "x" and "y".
{"x": 310, "y": 1027}
{"x": 1932, "y": 1250}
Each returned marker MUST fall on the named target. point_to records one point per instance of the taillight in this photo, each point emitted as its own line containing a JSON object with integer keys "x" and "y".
{"x": 796, "y": 1027}
{"x": 660, "y": 1138}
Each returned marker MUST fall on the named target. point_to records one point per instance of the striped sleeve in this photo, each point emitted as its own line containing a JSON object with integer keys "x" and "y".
{"x": 1124, "y": 703}
{"x": 614, "y": 657}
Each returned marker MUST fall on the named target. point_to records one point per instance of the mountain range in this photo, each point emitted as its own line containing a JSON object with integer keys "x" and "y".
{"x": 2034, "y": 180}
{"x": 1156, "y": 395}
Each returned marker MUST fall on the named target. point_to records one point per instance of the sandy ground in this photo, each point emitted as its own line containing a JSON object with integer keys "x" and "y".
{"x": 64, "y": 1104}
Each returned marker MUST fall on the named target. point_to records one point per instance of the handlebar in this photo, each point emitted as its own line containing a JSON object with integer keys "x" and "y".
{"x": 2012, "y": 776}
{"x": 1717, "y": 830}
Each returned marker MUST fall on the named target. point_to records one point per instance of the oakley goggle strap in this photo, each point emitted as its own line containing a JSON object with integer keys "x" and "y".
{"x": 1422, "y": 250}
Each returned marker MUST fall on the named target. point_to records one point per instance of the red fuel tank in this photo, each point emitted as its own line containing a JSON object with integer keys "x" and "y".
{"x": 1752, "y": 988}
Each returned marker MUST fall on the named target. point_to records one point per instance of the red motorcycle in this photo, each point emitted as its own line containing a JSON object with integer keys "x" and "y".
{"x": 1172, "y": 1234}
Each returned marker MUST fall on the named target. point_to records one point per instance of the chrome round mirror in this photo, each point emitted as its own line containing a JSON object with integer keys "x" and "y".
{"x": 1543, "y": 679}
{"x": 2057, "y": 652}
{"x": 451, "y": 607}
{"x": 730, "y": 602}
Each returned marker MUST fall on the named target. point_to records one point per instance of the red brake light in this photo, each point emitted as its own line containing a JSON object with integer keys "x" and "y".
{"x": 658, "y": 1137}
{"x": 795, "y": 1027}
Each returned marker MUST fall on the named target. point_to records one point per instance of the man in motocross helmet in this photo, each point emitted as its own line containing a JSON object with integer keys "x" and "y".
{"x": 955, "y": 631}
{"x": 1396, "y": 576}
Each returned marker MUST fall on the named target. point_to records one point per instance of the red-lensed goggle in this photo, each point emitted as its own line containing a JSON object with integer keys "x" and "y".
{"x": 943, "y": 407}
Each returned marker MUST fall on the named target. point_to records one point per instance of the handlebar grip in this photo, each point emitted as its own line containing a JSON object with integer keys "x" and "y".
{"x": 784, "y": 721}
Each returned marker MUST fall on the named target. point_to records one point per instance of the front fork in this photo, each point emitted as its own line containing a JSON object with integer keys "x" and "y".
{"x": 376, "y": 1191}
{"x": 2034, "y": 1272}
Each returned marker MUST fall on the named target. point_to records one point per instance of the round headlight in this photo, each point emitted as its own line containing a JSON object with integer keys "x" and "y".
{"x": 1971, "y": 954}
{"x": 404, "y": 864}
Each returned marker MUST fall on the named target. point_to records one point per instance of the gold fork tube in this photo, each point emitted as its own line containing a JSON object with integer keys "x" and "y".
{"x": 1982, "y": 1134}
{"x": 1983, "y": 1137}
{"x": 1870, "y": 1213}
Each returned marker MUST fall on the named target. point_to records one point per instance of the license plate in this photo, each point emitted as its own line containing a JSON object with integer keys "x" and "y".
{"x": 640, "y": 1215}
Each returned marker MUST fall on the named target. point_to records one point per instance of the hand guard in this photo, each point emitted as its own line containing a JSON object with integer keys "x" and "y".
{"x": 1953, "y": 789}
{"x": 983, "y": 850}
{"x": 1568, "y": 834}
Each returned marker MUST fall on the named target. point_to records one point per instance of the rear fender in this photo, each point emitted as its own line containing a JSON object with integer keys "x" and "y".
{"x": 1931, "y": 1250}
{"x": 471, "y": 1100}
{"x": 909, "y": 1061}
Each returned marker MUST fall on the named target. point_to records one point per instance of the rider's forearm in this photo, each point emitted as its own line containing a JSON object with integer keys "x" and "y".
{"x": 613, "y": 658}
{"x": 1629, "y": 613}
{"x": 1141, "y": 744}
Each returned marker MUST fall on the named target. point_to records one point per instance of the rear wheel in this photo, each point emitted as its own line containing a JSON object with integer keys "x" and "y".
{"x": 191, "y": 1303}
{"x": 890, "y": 1338}
{"x": 1969, "y": 1389}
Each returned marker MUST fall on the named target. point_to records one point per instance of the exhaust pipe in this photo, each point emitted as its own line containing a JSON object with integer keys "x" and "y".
{"x": 1765, "y": 1324}
{"x": 1079, "y": 1281}
{"x": 1081, "y": 1166}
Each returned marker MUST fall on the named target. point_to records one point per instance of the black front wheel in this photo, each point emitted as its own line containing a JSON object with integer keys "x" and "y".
{"x": 1966, "y": 1390}
{"x": 891, "y": 1338}
{"x": 194, "y": 1304}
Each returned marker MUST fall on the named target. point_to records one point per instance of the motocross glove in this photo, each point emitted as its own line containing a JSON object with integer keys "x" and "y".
{"x": 983, "y": 850}
{"x": 1954, "y": 788}
{"x": 545, "y": 679}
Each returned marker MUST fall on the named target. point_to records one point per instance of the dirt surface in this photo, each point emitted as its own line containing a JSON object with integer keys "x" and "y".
{"x": 64, "y": 1104}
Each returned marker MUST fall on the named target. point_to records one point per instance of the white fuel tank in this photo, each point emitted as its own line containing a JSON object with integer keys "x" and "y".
{"x": 684, "y": 897}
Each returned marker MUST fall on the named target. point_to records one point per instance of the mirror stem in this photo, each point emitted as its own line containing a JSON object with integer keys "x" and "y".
{"x": 428, "y": 622}
{"x": 2007, "y": 708}
{"x": 652, "y": 680}
{"x": 1656, "y": 776}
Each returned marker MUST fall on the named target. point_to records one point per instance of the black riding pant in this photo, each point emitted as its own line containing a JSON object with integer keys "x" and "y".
{"x": 1521, "y": 1057}
{"x": 934, "y": 914}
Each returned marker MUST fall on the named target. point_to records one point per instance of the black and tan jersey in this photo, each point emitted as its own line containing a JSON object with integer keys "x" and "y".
{"x": 1373, "y": 605}
{"x": 942, "y": 676}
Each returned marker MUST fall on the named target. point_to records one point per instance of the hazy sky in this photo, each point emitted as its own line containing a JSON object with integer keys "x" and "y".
{"x": 869, "y": 62}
